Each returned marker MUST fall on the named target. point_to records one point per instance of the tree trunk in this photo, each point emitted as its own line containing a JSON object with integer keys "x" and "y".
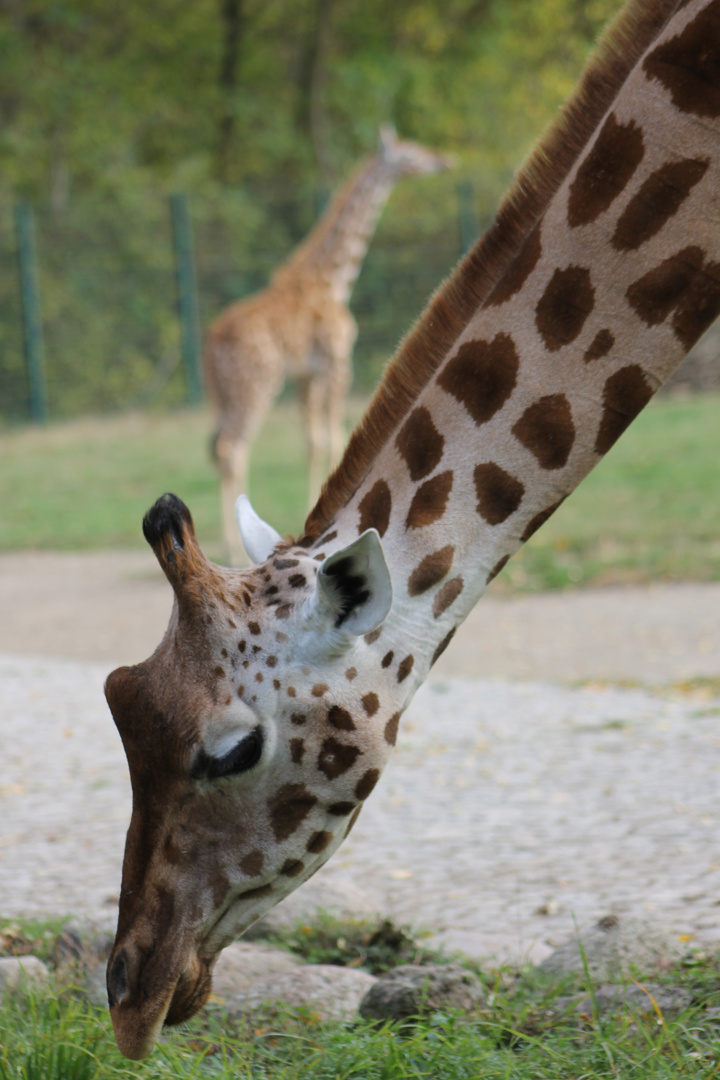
{"x": 311, "y": 109}
{"x": 231, "y": 12}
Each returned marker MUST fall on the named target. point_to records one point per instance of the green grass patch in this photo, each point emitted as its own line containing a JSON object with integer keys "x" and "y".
{"x": 649, "y": 512}
{"x": 523, "y": 1033}
{"x": 374, "y": 947}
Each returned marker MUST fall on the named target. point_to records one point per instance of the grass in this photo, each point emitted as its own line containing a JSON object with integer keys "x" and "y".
{"x": 648, "y": 512}
{"x": 523, "y": 1033}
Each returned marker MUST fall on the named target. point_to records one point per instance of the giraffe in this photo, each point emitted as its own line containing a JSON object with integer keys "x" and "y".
{"x": 263, "y": 720}
{"x": 300, "y": 326}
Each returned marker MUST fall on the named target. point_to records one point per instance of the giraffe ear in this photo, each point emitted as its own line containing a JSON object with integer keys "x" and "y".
{"x": 354, "y": 587}
{"x": 259, "y": 538}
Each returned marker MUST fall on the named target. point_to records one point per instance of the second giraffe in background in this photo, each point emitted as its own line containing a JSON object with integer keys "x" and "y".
{"x": 300, "y": 327}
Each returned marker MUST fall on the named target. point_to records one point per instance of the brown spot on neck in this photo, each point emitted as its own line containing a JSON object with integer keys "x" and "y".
{"x": 606, "y": 171}
{"x": 562, "y": 309}
{"x": 600, "y": 346}
{"x": 482, "y": 376}
{"x": 519, "y": 270}
{"x": 546, "y": 429}
{"x": 688, "y": 65}
{"x": 431, "y": 570}
{"x": 447, "y": 595}
{"x": 443, "y": 645}
{"x": 498, "y": 493}
{"x": 419, "y": 443}
{"x": 626, "y": 392}
{"x": 375, "y": 508}
{"x": 659, "y": 198}
{"x": 429, "y": 501}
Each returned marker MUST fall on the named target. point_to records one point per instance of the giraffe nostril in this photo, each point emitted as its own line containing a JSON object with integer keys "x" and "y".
{"x": 117, "y": 980}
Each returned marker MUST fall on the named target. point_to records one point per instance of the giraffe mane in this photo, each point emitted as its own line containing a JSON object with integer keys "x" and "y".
{"x": 425, "y": 346}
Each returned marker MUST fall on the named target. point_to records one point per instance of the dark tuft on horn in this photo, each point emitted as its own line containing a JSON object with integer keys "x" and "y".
{"x": 169, "y": 515}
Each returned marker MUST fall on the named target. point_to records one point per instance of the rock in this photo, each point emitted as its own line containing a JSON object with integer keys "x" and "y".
{"x": 670, "y": 1000}
{"x": 242, "y": 964}
{"x": 614, "y": 949}
{"x": 19, "y": 972}
{"x": 325, "y": 991}
{"x": 317, "y": 896}
{"x": 93, "y": 986}
{"x": 82, "y": 943}
{"x": 415, "y": 990}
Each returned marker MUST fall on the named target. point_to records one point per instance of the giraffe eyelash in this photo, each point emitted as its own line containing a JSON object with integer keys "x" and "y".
{"x": 244, "y": 756}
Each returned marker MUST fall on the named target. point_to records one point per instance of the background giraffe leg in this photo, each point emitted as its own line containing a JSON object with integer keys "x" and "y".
{"x": 313, "y": 392}
{"x": 336, "y": 397}
{"x": 233, "y": 462}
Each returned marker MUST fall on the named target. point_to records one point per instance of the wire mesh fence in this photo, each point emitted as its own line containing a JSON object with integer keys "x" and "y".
{"x": 107, "y": 277}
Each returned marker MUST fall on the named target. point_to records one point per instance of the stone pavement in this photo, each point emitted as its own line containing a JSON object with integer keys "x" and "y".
{"x": 115, "y": 607}
{"x": 507, "y": 812}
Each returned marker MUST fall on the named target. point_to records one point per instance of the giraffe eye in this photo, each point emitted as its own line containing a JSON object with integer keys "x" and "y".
{"x": 243, "y": 756}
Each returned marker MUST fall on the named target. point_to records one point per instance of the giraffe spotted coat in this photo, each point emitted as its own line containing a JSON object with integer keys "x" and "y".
{"x": 263, "y": 720}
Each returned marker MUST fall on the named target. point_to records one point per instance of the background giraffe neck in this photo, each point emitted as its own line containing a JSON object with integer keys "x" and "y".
{"x": 609, "y": 285}
{"x": 335, "y": 249}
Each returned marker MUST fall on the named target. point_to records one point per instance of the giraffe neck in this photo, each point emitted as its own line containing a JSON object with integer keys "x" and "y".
{"x": 335, "y": 249}
{"x": 608, "y": 286}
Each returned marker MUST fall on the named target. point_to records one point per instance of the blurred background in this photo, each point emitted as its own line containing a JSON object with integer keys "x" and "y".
{"x": 132, "y": 130}
{"x": 158, "y": 161}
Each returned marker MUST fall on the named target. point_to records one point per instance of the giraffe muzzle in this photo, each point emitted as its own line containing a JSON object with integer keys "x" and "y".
{"x": 144, "y": 997}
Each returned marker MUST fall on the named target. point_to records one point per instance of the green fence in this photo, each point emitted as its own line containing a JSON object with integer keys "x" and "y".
{"x": 102, "y": 307}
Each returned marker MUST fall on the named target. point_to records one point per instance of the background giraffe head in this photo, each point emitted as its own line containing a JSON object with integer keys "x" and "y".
{"x": 252, "y": 741}
{"x": 406, "y": 158}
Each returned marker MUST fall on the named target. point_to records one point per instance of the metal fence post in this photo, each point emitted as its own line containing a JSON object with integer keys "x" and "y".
{"x": 468, "y": 220}
{"x": 187, "y": 297}
{"x": 32, "y": 316}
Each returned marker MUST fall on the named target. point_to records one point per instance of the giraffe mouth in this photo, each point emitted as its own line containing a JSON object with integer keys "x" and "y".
{"x": 144, "y": 997}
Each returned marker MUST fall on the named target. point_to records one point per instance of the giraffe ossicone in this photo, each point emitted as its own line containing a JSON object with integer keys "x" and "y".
{"x": 259, "y": 539}
{"x": 264, "y": 718}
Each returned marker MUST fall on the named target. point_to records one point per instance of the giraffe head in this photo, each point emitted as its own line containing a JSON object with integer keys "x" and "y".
{"x": 251, "y": 744}
{"x": 406, "y": 158}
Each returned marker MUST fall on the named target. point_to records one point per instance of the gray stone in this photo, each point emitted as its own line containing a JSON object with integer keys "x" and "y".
{"x": 415, "y": 990}
{"x": 615, "y": 948}
{"x": 341, "y": 900}
{"x": 324, "y": 991}
{"x": 82, "y": 942}
{"x": 670, "y": 1000}
{"x": 93, "y": 986}
{"x": 243, "y": 963}
{"x": 20, "y": 972}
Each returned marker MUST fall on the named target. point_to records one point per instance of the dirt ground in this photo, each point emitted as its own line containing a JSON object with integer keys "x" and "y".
{"x": 113, "y": 607}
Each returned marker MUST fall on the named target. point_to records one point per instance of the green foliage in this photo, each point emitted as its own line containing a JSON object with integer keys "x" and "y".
{"x": 29, "y": 937}
{"x": 98, "y": 96}
{"x": 109, "y": 296}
